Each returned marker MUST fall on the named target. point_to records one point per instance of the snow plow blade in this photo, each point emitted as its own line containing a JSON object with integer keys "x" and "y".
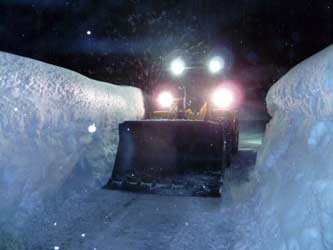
{"x": 169, "y": 157}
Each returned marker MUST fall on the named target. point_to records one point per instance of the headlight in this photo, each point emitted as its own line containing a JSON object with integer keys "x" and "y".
{"x": 177, "y": 67}
{"x": 223, "y": 98}
{"x": 215, "y": 65}
{"x": 165, "y": 99}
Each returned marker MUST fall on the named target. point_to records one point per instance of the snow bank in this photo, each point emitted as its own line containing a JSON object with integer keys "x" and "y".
{"x": 57, "y": 128}
{"x": 307, "y": 89}
{"x": 294, "y": 169}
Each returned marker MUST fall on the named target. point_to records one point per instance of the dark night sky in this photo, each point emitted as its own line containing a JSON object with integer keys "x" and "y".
{"x": 129, "y": 41}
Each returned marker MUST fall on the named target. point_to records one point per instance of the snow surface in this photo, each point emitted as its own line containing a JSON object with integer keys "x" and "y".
{"x": 294, "y": 170}
{"x": 307, "y": 89}
{"x": 58, "y": 130}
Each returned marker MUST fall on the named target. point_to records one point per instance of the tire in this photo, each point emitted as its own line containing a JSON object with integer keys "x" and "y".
{"x": 227, "y": 152}
{"x": 235, "y": 139}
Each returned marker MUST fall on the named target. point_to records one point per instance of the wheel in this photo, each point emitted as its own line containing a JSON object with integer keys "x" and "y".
{"x": 235, "y": 139}
{"x": 226, "y": 153}
{"x": 235, "y": 142}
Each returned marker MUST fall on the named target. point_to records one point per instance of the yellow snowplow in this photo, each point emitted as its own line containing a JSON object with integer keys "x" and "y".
{"x": 177, "y": 150}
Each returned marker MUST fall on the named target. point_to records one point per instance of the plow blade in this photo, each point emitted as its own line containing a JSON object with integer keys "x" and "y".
{"x": 166, "y": 157}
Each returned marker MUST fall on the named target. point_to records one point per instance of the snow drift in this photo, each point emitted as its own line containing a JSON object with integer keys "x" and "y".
{"x": 294, "y": 169}
{"x": 56, "y": 127}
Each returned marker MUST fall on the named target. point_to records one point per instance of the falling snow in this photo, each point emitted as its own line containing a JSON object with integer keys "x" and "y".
{"x": 92, "y": 128}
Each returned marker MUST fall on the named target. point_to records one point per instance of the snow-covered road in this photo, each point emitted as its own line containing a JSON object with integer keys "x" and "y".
{"x": 115, "y": 220}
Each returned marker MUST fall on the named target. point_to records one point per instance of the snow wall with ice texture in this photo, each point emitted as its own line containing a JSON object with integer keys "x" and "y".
{"x": 45, "y": 113}
{"x": 294, "y": 169}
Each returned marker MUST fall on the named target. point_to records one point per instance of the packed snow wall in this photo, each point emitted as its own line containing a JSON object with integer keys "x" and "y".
{"x": 294, "y": 170}
{"x": 57, "y": 128}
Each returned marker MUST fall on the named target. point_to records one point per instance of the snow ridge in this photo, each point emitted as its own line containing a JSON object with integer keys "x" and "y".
{"x": 56, "y": 127}
{"x": 294, "y": 169}
{"x": 307, "y": 89}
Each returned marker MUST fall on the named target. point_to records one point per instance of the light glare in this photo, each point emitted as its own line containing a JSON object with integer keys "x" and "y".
{"x": 165, "y": 99}
{"x": 177, "y": 67}
{"x": 215, "y": 65}
{"x": 223, "y": 98}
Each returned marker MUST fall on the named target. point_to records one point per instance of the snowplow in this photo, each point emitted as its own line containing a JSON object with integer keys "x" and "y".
{"x": 177, "y": 150}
